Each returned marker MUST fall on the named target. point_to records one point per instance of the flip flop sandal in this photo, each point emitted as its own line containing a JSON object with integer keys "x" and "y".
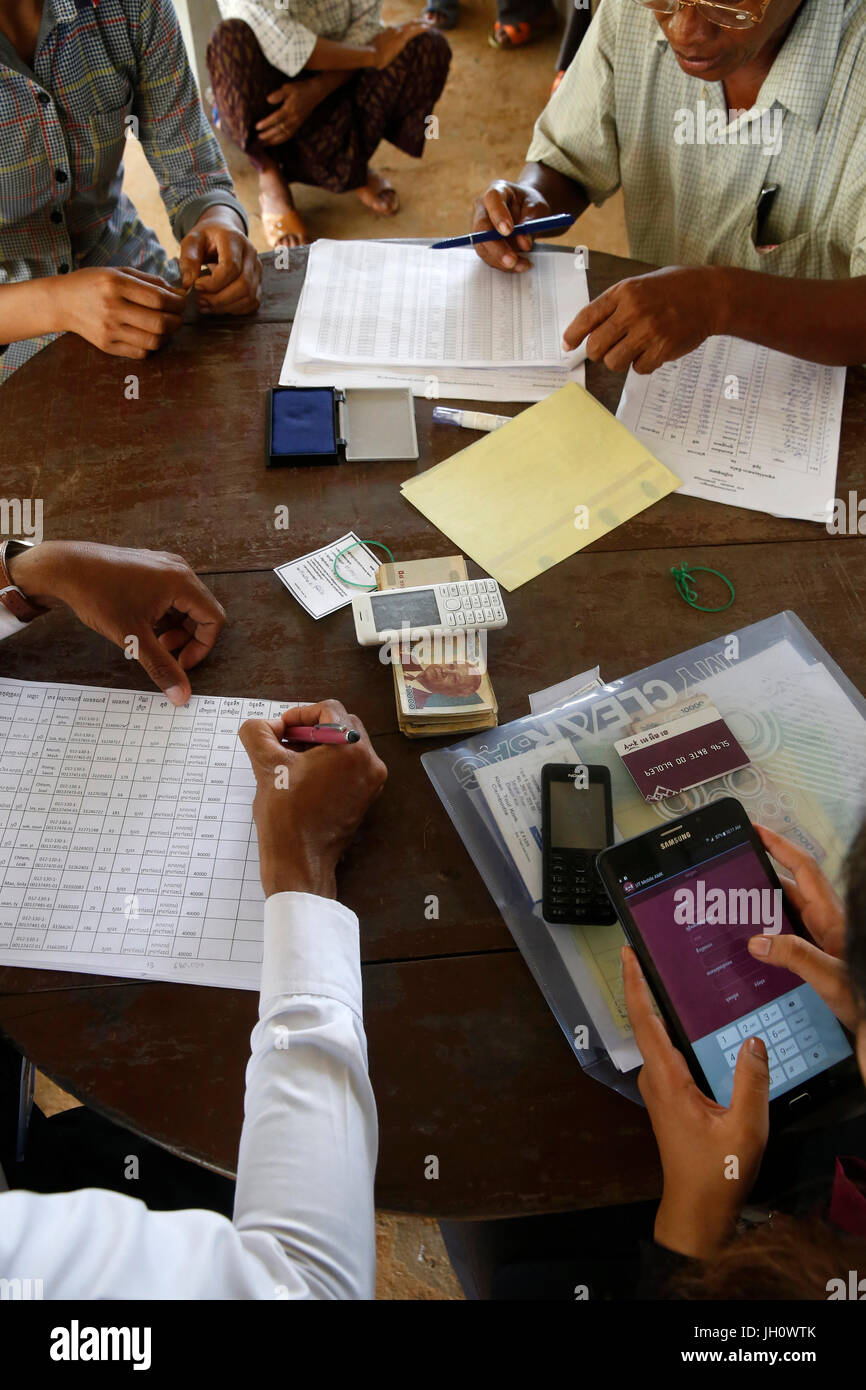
{"x": 441, "y": 19}
{"x": 392, "y": 198}
{"x": 510, "y": 35}
{"x": 276, "y": 225}
{"x": 516, "y": 35}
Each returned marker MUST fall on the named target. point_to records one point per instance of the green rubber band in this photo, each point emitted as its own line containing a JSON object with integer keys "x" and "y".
{"x": 351, "y": 582}
{"x": 684, "y": 574}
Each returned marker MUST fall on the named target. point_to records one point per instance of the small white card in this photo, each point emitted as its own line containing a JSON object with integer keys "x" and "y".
{"x": 312, "y": 581}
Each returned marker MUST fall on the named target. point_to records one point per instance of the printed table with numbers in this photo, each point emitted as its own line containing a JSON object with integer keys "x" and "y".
{"x": 467, "y": 1062}
{"x": 128, "y": 842}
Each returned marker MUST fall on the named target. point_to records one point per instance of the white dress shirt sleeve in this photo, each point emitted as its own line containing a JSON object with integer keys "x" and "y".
{"x": 303, "y": 1223}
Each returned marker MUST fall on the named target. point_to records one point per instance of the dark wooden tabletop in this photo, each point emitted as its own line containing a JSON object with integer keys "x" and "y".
{"x": 466, "y": 1060}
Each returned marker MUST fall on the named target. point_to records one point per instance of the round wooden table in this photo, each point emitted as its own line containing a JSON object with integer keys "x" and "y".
{"x": 466, "y": 1060}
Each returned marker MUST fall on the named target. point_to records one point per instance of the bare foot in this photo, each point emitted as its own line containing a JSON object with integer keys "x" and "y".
{"x": 379, "y": 194}
{"x": 280, "y": 220}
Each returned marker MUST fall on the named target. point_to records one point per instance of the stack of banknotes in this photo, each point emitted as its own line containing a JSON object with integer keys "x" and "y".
{"x": 441, "y": 684}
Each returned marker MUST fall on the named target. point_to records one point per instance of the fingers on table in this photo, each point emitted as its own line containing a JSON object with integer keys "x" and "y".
{"x": 225, "y": 272}
{"x": 152, "y": 293}
{"x": 204, "y": 613}
{"x": 234, "y": 287}
{"x": 598, "y": 324}
{"x": 148, "y": 328}
{"x": 162, "y": 668}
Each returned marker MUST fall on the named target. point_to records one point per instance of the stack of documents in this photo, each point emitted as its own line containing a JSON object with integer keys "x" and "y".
{"x": 384, "y": 313}
{"x": 440, "y": 688}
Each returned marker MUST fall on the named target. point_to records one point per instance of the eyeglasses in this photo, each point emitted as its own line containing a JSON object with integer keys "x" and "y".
{"x": 728, "y": 16}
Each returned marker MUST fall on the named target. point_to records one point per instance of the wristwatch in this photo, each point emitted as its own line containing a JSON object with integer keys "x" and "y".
{"x": 18, "y": 604}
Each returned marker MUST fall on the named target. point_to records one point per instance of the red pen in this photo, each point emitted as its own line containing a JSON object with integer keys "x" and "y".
{"x": 320, "y": 733}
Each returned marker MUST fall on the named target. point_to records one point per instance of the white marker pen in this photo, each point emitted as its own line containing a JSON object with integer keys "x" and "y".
{"x": 468, "y": 419}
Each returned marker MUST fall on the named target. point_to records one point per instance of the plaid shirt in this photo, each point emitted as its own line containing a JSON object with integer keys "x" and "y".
{"x": 63, "y": 124}
{"x": 287, "y": 29}
{"x": 615, "y": 119}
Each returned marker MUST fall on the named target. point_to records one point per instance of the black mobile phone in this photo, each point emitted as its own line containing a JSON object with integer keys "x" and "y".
{"x": 576, "y": 822}
{"x": 689, "y": 895}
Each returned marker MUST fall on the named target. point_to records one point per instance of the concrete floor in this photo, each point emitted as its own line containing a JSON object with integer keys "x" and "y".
{"x": 485, "y": 122}
{"x": 486, "y": 115}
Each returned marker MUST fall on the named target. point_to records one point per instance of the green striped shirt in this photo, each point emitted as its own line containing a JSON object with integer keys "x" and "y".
{"x": 626, "y": 115}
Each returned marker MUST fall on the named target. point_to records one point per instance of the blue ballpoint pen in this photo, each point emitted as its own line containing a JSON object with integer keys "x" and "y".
{"x": 542, "y": 226}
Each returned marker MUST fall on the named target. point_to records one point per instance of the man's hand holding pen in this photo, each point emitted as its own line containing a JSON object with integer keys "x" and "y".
{"x": 309, "y": 804}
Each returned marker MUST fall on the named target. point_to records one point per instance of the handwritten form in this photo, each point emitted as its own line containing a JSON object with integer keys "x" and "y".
{"x": 127, "y": 844}
{"x": 744, "y": 425}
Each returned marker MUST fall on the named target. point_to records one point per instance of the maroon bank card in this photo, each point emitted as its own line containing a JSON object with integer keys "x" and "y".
{"x": 670, "y": 758}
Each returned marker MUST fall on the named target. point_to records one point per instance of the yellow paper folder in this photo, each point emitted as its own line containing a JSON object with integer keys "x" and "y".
{"x": 559, "y": 476}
